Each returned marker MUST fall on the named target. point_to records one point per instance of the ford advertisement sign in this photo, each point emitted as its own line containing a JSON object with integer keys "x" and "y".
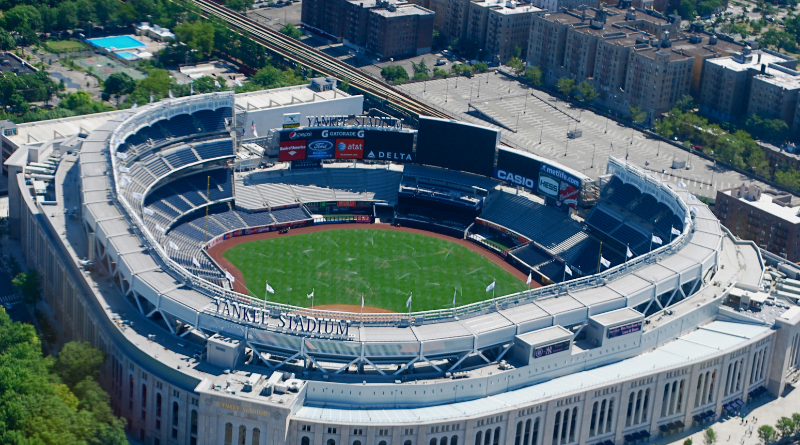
{"x": 515, "y": 179}
{"x": 319, "y": 149}
{"x": 561, "y": 175}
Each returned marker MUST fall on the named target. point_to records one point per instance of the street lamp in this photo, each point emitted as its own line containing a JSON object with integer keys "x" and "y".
{"x": 594, "y": 150}
{"x": 540, "y": 133}
{"x": 566, "y": 147}
{"x": 526, "y": 104}
{"x": 517, "y": 129}
{"x": 446, "y": 88}
{"x": 606, "y": 125}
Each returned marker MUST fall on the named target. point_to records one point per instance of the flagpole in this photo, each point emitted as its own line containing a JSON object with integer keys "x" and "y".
{"x": 599, "y": 255}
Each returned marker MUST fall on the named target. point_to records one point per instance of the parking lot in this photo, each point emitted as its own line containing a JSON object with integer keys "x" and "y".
{"x": 275, "y": 16}
{"x": 542, "y": 121}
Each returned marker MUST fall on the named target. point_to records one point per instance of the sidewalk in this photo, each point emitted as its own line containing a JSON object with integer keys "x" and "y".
{"x": 729, "y": 431}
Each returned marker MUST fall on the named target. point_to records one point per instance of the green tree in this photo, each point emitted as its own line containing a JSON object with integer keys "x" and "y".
{"x": 480, "y": 67}
{"x": 78, "y": 99}
{"x": 770, "y": 129}
{"x": 516, "y": 52}
{"x": 565, "y": 86}
{"x": 291, "y": 31}
{"x": 637, "y": 114}
{"x": 394, "y": 73}
{"x": 516, "y": 64}
{"x": 198, "y": 36}
{"x": 709, "y": 437}
{"x": 77, "y": 361}
{"x": 206, "y": 84}
{"x": 438, "y": 72}
{"x": 119, "y": 83}
{"x": 344, "y": 85}
{"x": 587, "y": 92}
{"x": 29, "y": 286}
{"x": 421, "y": 70}
{"x": 685, "y": 103}
{"x": 533, "y": 76}
{"x": 786, "y": 427}
{"x": 796, "y": 416}
{"x": 688, "y": 441}
{"x": 766, "y": 434}
{"x": 157, "y": 82}
{"x": 461, "y": 69}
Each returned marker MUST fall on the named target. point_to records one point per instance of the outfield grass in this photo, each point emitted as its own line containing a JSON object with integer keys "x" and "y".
{"x": 384, "y": 265}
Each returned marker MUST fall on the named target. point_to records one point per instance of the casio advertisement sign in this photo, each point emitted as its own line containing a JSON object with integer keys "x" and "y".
{"x": 515, "y": 179}
{"x": 548, "y": 185}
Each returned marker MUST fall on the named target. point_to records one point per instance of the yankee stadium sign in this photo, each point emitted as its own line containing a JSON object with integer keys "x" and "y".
{"x": 294, "y": 323}
{"x": 358, "y": 121}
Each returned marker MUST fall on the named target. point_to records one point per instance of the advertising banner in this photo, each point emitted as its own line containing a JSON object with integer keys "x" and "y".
{"x": 517, "y": 168}
{"x": 625, "y": 330}
{"x": 568, "y": 195}
{"x": 561, "y": 175}
{"x": 516, "y": 179}
{"x": 291, "y": 120}
{"x": 544, "y": 351}
{"x": 319, "y": 149}
{"x": 349, "y": 148}
{"x": 549, "y": 185}
{"x": 293, "y": 135}
{"x": 292, "y": 150}
{"x": 394, "y": 146}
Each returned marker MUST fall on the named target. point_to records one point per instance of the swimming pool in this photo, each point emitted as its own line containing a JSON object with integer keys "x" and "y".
{"x": 127, "y": 55}
{"x": 117, "y": 42}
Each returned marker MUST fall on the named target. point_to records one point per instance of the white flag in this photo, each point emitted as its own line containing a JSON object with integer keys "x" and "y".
{"x": 126, "y": 180}
{"x": 530, "y": 277}
{"x": 253, "y": 126}
{"x": 408, "y": 302}
{"x": 122, "y": 155}
{"x": 161, "y": 229}
{"x": 567, "y": 269}
{"x": 675, "y": 231}
{"x": 170, "y": 94}
{"x": 151, "y": 98}
{"x": 362, "y": 302}
{"x": 629, "y": 253}
{"x": 681, "y": 184}
{"x": 490, "y": 287}
{"x": 149, "y": 212}
{"x": 270, "y": 289}
{"x": 230, "y": 277}
{"x": 174, "y": 246}
{"x": 311, "y": 295}
{"x": 605, "y": 262}
{"x": 191, "y": 89}
{"x": 135, "y": 106}
{"x": 124, "y": 170}
{"x": 238, "y": 84}
{"x": 216, "y": 84}
{"x": 692, "y": 197}
{"x": 657, "y": 240}
{"x": 195, "y": 262}
{"x": 455, "y": 291}
{"x": 137, "y": 196}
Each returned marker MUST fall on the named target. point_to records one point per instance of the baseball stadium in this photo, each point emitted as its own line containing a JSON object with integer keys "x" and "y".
{"x": 359, "y": 279}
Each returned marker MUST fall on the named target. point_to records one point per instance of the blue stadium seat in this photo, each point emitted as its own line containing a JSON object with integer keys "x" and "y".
{"x": 214, "y": 149}
{"x": 256, "y": 219}
{"x": 602, "y": 221}
{"x": 178, "y": 159}
{"x": 213, "y": 121}
{"x": 181, "y": 126}
{"x": 290, "y": 214}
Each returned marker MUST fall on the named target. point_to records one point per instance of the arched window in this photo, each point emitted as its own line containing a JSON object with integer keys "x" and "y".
{"x": 644, "y": 404}
{"x": 454, "y": 440}
{"x": 629, "y": 415}
{"x": 194, "y": 422}
{"x": 433, "y": 441}
{"x": 527, "y": 432}
{"x": 242, "y": 434}
{"x": 535, "y": 434}
{"x": 331, "y": 442}
{"x": 593, "y": 422}
{"x": 305, "y": 441}
{"x": 443, "y": 441}
{"x": 478, "y": 437}
{"x": 229, "y": 434}
{"x": 383, "y": 442}
{"x": 487, "y": 437}
{"x": 609, "y": 416}
{"x": 158, "y": 404}
{"x": 556, "y": 428}
{"x": 175, "y": 414}
{"x": 518, "y": 436}
{"x": 575, "y": 420}
{"x": 256, "y": 436}
{"x": 357, "y": 442}
{"x": 408, "y": 442}
{"x": 496, "y": 436}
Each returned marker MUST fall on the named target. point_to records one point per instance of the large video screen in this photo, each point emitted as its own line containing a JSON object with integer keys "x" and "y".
{"x": 518, "y": 169}
{"x": 457, "y": 145}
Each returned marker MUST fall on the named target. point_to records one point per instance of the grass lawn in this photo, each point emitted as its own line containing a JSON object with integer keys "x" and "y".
{"x": 64, "y": 46}
{"x": 384, "y": 265}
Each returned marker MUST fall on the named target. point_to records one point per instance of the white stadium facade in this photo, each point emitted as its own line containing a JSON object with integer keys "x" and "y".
{"x": 105, "y": 208}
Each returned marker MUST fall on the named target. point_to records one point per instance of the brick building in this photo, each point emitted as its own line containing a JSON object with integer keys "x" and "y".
{"x": 767, "y": 217}
{"x": 507, "y": 28}
{"x": 388, "y": 29}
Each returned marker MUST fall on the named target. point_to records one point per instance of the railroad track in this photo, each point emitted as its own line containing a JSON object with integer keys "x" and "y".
{"x": 305, "y": 55}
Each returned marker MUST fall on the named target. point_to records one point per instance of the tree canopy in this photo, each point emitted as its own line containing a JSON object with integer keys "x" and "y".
{"x": 394, "y": 73}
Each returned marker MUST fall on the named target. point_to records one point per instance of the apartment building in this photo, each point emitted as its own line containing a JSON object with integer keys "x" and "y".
{"x": 400, "y": 31}
{"x": 657, "y": 77}
{"x": 386, "y": 28}
{"x": 508, "y": 27}
{"x": 768, "y": 217}
{"x": 774, "y": 93}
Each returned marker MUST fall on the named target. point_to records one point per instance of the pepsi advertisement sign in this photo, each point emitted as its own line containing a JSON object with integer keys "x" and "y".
{"x": 319, "y": 149}
{"x": 295, "y": 135}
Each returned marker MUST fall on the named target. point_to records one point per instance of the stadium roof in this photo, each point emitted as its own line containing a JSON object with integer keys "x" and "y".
{"x": 706, "y": 340}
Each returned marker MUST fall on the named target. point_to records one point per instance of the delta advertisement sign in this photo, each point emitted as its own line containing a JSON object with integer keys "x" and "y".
{"x": 345, "y": 143}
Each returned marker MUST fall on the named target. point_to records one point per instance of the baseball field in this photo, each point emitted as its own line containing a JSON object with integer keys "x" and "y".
{"x": 386, "y": 266}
